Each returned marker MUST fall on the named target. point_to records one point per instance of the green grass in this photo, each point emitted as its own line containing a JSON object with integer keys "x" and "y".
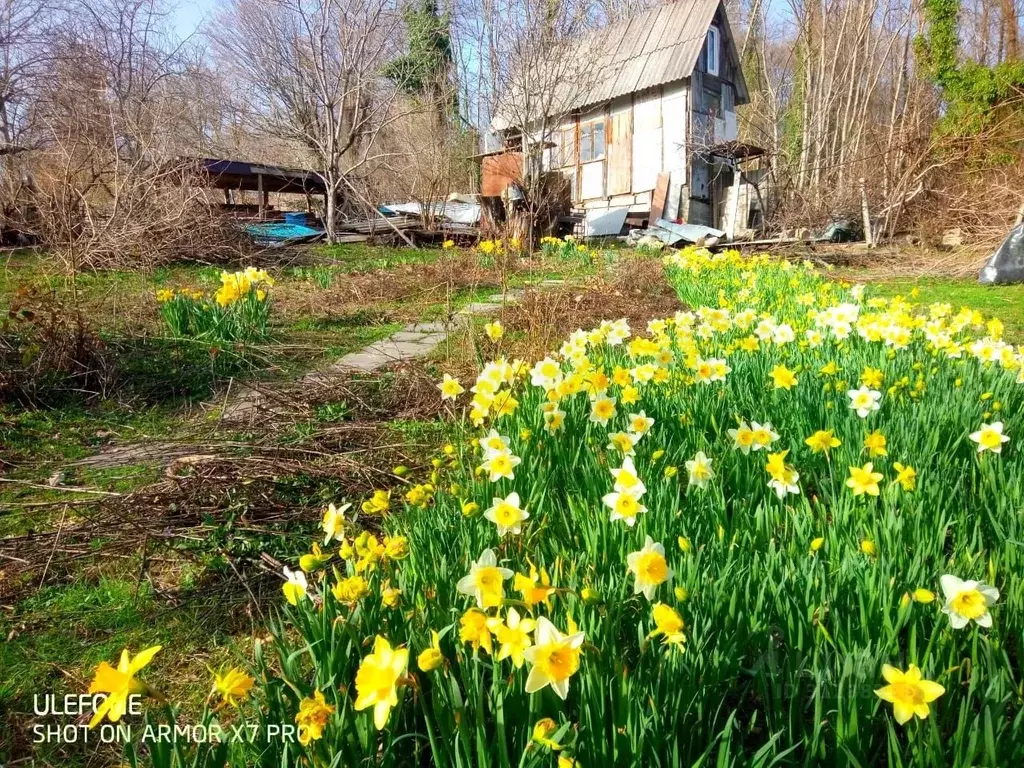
{"x": 57, "y": 637}
{"x": 360, "y": 257}
{"x": 1003, "y": 301}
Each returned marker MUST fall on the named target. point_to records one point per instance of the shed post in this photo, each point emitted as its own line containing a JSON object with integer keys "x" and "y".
{"x": 868, "y": 236}
{"x": 734, "y": 204}
{"x": 262, "y": 196}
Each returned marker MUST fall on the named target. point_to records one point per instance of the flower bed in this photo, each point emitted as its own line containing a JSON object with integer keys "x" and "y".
{"x": 785, "y": 524}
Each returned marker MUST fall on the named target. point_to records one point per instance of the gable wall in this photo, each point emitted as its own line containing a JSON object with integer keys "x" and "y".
{"x": 645, "y": 135}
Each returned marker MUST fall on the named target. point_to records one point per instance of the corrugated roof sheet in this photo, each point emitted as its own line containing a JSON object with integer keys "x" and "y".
{"x": 653, "y": 48}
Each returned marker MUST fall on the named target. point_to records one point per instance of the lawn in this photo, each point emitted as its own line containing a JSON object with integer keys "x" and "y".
{"x": 1003, "y": 301}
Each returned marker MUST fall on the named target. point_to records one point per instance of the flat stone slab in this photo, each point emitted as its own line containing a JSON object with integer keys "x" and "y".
{"x": 409, "y": 336}
{"x": 435, "y": 326}
{"x": 511, "y": 296}
{"x": 480, "y": 308}
{"x": 401, "y": 347}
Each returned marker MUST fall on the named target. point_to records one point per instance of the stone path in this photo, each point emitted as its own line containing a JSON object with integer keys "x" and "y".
{"x": 413, "y": 342}
{"x": 245, "y": 403}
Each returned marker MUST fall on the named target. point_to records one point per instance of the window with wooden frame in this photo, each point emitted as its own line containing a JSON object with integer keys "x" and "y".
{"x": 592, "y": 141}
{"x": 566, "y": 140}
{"x": 712, "y": 50}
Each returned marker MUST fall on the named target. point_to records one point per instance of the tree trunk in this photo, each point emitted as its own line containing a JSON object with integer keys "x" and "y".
{"x": 330, "y": 209}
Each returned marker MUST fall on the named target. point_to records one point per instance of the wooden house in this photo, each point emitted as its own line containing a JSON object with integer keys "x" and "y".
{"x": 652, "y": 129}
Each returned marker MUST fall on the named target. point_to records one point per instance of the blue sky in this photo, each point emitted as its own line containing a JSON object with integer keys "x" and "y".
{"x": 191, "y": 13}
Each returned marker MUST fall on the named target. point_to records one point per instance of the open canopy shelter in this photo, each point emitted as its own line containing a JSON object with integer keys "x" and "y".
{"x": 260, "y": 178}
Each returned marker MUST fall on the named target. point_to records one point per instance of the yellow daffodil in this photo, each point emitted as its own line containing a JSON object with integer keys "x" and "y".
{"x": 473, "y": 630}
{"x": 864, "y": 480}
{"x": 431, "y": 658}
{"x": 312, "y": 717}
{"x": 390, "y": 596}
{"x": 923, "y": 596}
{"x": 295, "y": 585}
{"x": 908, "y": 692}
{"x": 782, "y": 377}
{"x": 314, "y": 560}
{"x": 823, "y": 441}
{"x": 875, "y": 443}
{"x": 513, "y": 636}
{"x": 554, "y": 658}
{"x": 602, "y": 409}
{"x": 377, "y": 680}
{"x": 906, "y": 476}
{"x": 535, "y": 588}
{"x": 649, "y": 568}
{"x": 119, "y": 683}
{"x": 817, "y": 543}
{"x": 396, "y": 547}
{"x": 494, "y": 330}
{"x": 871, "y": 378}
{"x": 669, "y": 624}
{"x": 542, "y": 731}
{"x": 351, "y": 590}
{"x": 233, "y": 685}
{"x": 450, "y": 388}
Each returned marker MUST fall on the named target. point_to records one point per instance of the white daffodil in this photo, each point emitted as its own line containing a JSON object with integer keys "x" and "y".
{"x": 507, "y": 514}
{"x": 967, "y": 601}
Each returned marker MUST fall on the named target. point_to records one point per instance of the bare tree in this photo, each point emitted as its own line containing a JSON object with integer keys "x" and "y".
{"x": 311, "y": 68}
{"x": 534, "y": 62}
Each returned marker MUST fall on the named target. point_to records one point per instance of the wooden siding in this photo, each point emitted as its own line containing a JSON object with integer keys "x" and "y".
{"x": 620, "y": 147}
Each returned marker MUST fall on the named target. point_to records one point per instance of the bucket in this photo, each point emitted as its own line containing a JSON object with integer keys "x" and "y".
{"x": 295, "y": 217}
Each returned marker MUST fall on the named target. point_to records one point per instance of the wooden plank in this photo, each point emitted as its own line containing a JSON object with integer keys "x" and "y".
{"x": 620, "y": 150}
{"x": 660, "y": 196}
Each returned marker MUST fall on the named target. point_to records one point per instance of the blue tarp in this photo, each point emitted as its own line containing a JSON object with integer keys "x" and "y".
{"x": 282, "y": 233}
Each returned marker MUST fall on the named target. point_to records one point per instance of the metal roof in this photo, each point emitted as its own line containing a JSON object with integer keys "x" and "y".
{"x": 239, "y": 174}
{"x": 653, "y": 48}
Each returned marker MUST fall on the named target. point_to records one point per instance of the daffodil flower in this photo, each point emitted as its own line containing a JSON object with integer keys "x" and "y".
{"x": 908, "y": 692}
{"x": 119, "y": 683}
{"x": 377, "y": 680}
{"x": 554, "y": 658}
{"x": 967, "y": 601}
